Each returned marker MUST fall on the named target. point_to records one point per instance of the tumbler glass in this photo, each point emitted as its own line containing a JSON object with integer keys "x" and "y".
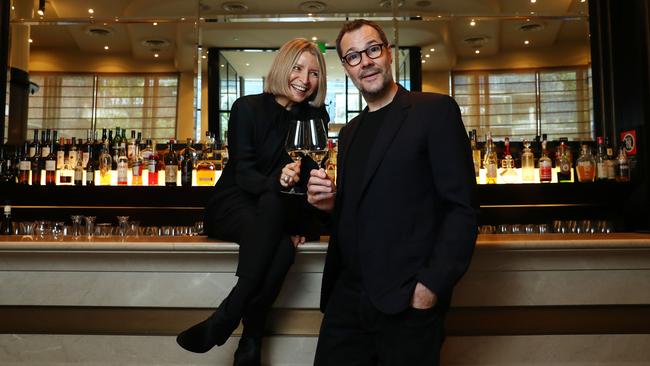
{"x": 76, "y": 225}
{"x": 90, "y": 225}
{"x": 123, "y": 222}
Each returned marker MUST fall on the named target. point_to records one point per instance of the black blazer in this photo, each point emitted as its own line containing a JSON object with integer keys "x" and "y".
{"x": 416, "y": 216}
{"x": 257, "y": 130}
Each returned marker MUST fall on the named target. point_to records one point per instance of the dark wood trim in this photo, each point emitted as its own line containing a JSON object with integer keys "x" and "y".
{"x": 466, "y": 321}
{"x": 5, "y": 10}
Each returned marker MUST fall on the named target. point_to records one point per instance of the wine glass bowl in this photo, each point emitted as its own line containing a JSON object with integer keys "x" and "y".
{"x": 317, "y": 140}
{"x": 306, "y": 137}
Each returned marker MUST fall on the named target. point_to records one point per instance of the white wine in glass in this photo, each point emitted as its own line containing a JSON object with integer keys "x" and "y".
{"x": 296, "y": 146}
{"x": 316, "y": 140}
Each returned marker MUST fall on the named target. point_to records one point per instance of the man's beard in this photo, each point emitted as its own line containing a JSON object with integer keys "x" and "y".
{"x": 370, "y": 95}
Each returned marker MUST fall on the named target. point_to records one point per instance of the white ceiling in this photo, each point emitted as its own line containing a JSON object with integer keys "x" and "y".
{"x": 440, "y": 24}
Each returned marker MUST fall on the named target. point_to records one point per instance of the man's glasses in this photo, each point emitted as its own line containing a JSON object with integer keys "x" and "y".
{"x": 354, "y": 58}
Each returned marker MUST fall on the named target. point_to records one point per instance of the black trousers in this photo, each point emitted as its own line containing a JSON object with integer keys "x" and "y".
{"x": 262, "y": 227}
{"x": 355, "y": 333}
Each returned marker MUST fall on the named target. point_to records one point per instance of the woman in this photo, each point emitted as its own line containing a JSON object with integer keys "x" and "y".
{"x": 248, "y": 206}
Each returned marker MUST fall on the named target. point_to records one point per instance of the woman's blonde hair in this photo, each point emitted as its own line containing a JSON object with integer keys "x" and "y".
{"x": 277, "y": 80}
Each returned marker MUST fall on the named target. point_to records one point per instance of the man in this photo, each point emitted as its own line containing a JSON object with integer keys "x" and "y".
{"x": 403, "y": 217}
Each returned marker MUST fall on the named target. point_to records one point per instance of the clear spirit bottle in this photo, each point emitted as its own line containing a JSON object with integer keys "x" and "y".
{"x": 527, "y": 163}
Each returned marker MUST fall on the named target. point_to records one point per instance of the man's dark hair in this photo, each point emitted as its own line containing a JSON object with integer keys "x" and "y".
{"x": 354, "y": 25}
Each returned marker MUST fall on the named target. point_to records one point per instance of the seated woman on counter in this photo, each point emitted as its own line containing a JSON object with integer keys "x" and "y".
{"x": 248, "y": 206}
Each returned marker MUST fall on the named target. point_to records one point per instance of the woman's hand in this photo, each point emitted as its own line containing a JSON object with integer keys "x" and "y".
{"x": 290, "y": 174}
{"x": 321, "y": 190}
{"x": 297, "y": 240}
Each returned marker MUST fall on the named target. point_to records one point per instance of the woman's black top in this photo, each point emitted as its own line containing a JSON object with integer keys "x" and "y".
{"x": 257, "y": 131}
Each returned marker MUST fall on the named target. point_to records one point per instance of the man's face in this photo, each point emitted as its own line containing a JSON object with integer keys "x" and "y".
{"x": 371, "y": 76}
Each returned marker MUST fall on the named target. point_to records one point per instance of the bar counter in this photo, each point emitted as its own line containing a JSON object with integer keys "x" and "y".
{"x": 561, "y": 299}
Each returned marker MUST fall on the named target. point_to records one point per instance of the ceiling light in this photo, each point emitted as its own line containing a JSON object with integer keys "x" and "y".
{"x": 40, "y": 12}
{"x": 41, "y": 7}
{"x": 155, "y": 55}
{"x": 314, "y": 38}
{"x": 312, "y": 7}
{"x": 432, "y": 49}
{"x": 247, "y": 64}
{"x": 472, "y": 23}
{"x": 204, "y": 56}
{"x": 106, "y": 47}
{"x": 222, "y": 65}
{"x": 31, "y": 40}
{"x": 533, "y": 1}
{"x": 477, "y": 51}
{"x": 427, "y": 55}
{"x": 91, "y": 11}
{"x": 155, "y": 23}
{"x": 526, "y": 42}
{"x": 183, "y": 19}
{"x": 424, "y": 61}
{"x": 582, "y": 1}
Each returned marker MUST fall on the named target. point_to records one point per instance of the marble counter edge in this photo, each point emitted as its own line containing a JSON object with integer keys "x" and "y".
{"x": 202, "y": 244}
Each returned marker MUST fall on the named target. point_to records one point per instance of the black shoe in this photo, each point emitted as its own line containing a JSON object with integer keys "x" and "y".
{"x": 201, "y": 337}
{"x": 249, "y": 352}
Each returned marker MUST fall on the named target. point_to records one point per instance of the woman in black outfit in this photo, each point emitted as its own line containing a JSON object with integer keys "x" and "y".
{"x": 248, "y": 206}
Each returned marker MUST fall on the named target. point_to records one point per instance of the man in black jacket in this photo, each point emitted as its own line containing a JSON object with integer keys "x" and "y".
{"x": 403, "y": 216}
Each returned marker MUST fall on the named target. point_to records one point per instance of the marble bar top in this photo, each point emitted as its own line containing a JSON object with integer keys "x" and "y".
{"x": 204, "y": 244}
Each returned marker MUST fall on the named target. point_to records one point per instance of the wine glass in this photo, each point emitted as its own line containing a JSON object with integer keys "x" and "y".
{"x": 317, "y": 140}
{"x": 296, "y": 146}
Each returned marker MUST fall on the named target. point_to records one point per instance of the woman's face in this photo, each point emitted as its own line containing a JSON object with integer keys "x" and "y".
{"x": 303, "y": 79}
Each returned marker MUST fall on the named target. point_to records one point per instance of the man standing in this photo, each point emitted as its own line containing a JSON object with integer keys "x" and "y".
{"x": 403, "y": 218}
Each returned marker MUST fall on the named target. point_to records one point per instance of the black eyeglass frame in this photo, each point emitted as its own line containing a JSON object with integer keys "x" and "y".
{"x": 381, "y": 48}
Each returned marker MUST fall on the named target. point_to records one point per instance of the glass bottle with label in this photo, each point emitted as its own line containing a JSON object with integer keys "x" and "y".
{"x": 122, "y": 167}
{"x": 601, "y": 160}
{"x": 623, "y": 165}
{"x": 509, "y": 173}
{"x": 152, "y": 165}
{"x": 90, "y": 168}
{"x": 476, "y": 154}
{"x": 45, "y": 143}
{"x": 565, "y": 172}
{"x": 611, "y": 161}
{"x": 171, "y": 166}
{"x": 6, "y": 227}
{"x": 545, "y": 166}
{"x": 105, "y": 165}
{"x": 527, "y": 164}
{"x": 586, "y": 165}
{"x": 50, "y": 166}
{"x": 490, "y": 162}
{"x": 205, "y": 169}
{"x": 187, "y": 163}
{"x": 35, "y": 145}
{"x": 24, "y": 165}
{"x": 37, "y": 162}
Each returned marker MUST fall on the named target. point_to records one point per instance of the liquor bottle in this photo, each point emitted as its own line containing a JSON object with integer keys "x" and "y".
{"x": 509, "y": 173}
{"x": 152, "y": 168}
{"x": 105, "y": 166}
{"x": 36, "y": 167}
{"x": 46, "y": 144}
{"x": 73, "y": 155}
{"x": 122, "y": 167}
{"x": 130, "y": 148}
{"x": 85, "y": 151}
{"x": 187, "y": 164}
{"x": 110, "y": 138}
{"x": 330, "y": 166}
{"x": 7, "y": 227}
{"x": 50, "y": 168}
{"x": 171, "y": 165}
{"x": 490, "y": 161}
{"x": 611, "y": 161}
{"x": 205, "y": 167}
{"x": 24, "y": 165}
{"x": 79, "y": 173}
{"x": 623, "y": 165}
{"x": 123, "y": 141}
{"x": 55, "y": 140}
{"x": 60, "y": 154}
{"x": 601, "y": 160}
{"x": 564, "y": 175}
{"x": 6, "y": 169}
{"x": 34, "y": 145}
{"x": 545, "y": 166}
{"x": 136, "y": 164}
{"x": 146, "y": 151}
{"x": 90, "y": 168}
{"x": 476, "y": 154}
{"x": 586, "y": 165}
{"x": 104, "y": 137}
{"x": 527, "y": 163}
{"x": 224, "y": 150}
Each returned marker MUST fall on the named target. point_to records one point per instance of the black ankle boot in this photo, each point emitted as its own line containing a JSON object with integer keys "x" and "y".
{"x": 249, "y": 351}
{"x": 201, "y": 337}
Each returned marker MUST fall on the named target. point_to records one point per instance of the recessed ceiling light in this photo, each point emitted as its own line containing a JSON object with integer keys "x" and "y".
{"x": 106, "y": 47}
{"x": 526, "y": 42}
{"x": 91, "y": 11}
{"x": 424, "y": 61}
{"x": 427, "y": 55}
{"x": 155, "y": 55}
{"x": 314, "y": 38}
{"x": 183, "y": 19}
{"x": 532, "y": 13}
{"x": 533, "y": 1}
{"x": 477, "y": 52}
{"x": 204, "y": 56}
{"x": 155, "y": 23}
{"x": 472, "y": 23}
{"x": 40, "y": 12}
{"x": 582, "y": 1}
{"x": 31, "y": 40}
{"x": 222, "y": 65}
{"x": 432, "y": 49}
{"x": 247, "y": 64}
